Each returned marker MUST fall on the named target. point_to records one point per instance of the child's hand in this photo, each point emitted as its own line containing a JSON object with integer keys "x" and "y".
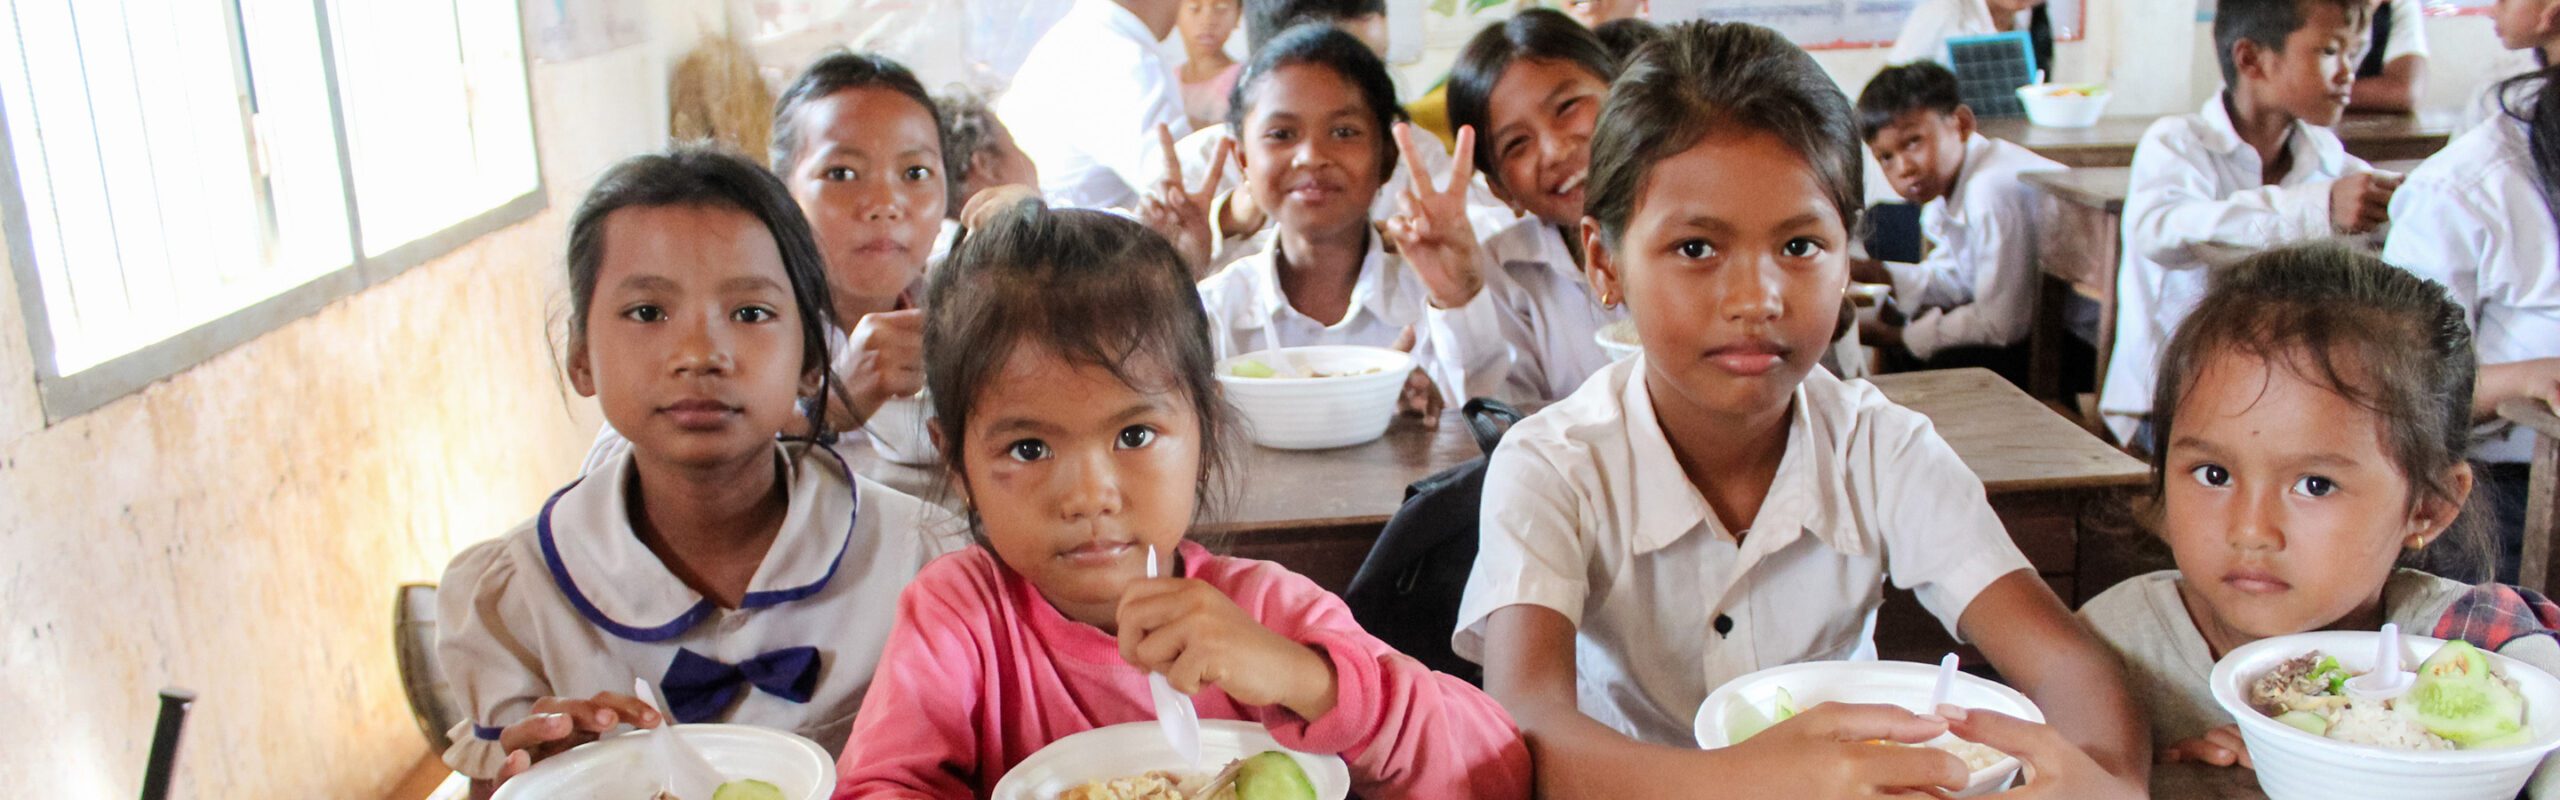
{"x": 993, "y": 199}
{"x": 1421, "y": 398}
{"x": 2053, "y": 766}
{"x": 2361, "y": 202}
{"x": 1196, "y": 636}
{"x": 1183, "y": 215}
{"x": 1432, "y": 231}
{"x": 1833, "y": 750}
{"x": 559, "y": 723}
{"x": 884, "y": 359}
{"x": 2221, "y": 747}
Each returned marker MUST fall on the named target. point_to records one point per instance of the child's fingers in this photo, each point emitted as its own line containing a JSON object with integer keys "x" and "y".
{"x": 543, "y": 726}
{"x": 1895, "y": 767}
{"x": 627, "y": 708}
{"x": 1415, "y": 175}
{"x": 1859, "y": 722}
{"x": 1217, "y": 168}
{"x": 2228, "y": 738}
{"x": 1172, "y": 163}
{"x": 517, "y": 762}
{"x": 1463, "y": 171}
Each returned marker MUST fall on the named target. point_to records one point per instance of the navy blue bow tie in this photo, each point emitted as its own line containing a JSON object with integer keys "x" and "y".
{"x": 699, "y": 687}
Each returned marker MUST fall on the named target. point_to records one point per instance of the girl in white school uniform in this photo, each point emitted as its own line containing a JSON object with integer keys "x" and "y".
{"x": 1317, "y": 108}
{"x": 859, "y": 144}
{"x": 1718, "y": 505}
{"x": 752, "y": 581}
{"x": 2478, "y": 218}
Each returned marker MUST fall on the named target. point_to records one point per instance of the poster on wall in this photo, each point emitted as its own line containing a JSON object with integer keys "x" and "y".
{"x": 568, "y": 30}
{"x": 1838, "y": 24}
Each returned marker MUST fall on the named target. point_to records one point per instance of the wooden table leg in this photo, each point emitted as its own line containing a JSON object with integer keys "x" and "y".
{"x": 2541, "y": 517}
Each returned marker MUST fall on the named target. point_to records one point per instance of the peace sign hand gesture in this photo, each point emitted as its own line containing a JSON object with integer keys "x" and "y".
{"x": 1432, "y": 231}
{"x": 1183, "y": 215}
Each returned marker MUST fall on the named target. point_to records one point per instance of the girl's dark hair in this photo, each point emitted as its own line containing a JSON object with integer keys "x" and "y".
{"x": 837, "y": 71}
{"x": 1705, "y": 78}
{"x": 2541, "y": 117}
{"x": 1538, "y": 34}
{"x": 1265, "y": 19}
{"x": 1094, "y": 288}
{"x": 2379, "y": 336}
{"x": 1624, "y": 36}
{"x": 1325, "y": 46}
{"x": 701, "y": 176}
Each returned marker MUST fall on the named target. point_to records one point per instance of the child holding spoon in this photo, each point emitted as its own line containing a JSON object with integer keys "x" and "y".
{"x": 1084, "y": 429}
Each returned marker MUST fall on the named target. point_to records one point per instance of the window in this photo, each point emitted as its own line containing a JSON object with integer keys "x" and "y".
{"x": 188, "y": 175}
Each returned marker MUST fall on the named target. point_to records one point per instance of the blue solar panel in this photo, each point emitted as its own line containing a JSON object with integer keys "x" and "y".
{"x": 1989, "y": 69}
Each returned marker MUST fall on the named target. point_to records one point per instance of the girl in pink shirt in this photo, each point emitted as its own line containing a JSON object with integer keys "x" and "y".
{"x": 1084, "y": 428}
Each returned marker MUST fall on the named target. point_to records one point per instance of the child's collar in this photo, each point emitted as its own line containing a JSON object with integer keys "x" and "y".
{"x": 593, "y": 555}
{"x": 2221, "y": 134}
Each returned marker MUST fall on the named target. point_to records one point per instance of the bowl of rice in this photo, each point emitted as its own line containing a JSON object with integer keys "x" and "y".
{"x": 2373, "y": 753}
{"x": 1745, "y": 702}
{"x": 1318, "y": 397}
{"x": 1132, "y": 761}
{"x": 626, "y": 765}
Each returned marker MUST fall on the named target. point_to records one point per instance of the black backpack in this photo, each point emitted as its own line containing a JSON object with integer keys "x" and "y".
{"x": 1408, "y": 589}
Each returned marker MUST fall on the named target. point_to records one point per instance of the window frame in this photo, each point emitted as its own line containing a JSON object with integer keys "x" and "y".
{"x": 64, "y": 397}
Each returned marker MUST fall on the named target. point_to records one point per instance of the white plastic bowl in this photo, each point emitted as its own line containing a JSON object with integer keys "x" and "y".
{"x": 1900, "y": 683}
{"x": 1131, "y": 748}
{"x": 2047, "y": 109}
{"x": 1318, "y": 413}
{"x": 2296, "y": 765}
{"x": 897, "y": 430}
{"x": 1618, "y": 339}
{"x": 625, "y": 765}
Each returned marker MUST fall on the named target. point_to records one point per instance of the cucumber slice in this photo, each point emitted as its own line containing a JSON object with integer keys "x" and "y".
{"x": 2456, "y": 660}
{"x": 1272, "y": 775}
{"x": 747, "y": 790}
{"x": 2306, "y": 721}
{"x": 1250, "y": 368}
{"x": 1743, "y": 720}
{"x": 2464, "y": 711}
{"x": 1786, "y": 706}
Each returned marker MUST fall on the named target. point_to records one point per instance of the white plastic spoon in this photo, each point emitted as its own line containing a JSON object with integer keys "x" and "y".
{"x": 2386, "y": 681}
{"x": 1283, "y": 365}
{"x": 685, "y": 772}
{"x": 1946, "y": 683}
{"x": 1174, "y": 712}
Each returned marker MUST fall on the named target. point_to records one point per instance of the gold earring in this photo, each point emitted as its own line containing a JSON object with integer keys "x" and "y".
{"x": 2417, "y": 541}
{"x": 1608, "y": 299}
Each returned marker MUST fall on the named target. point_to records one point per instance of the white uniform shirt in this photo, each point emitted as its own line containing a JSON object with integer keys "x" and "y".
{"x": 1086, "y": 104}
{"x": 1548, "y": 315}
{"x": 1978, "y": 283}
{"x": 2197, "y": 201}
{"x": 1587, "y": 512}
{"x": 1924, "y": 35}
{"x": 1244, "y": 299}
{"x": 2408, "y": 31}
{"x": 570, "y": 603}
{"x": 1485, "y": 211}
{"x": 2471, "y": 219}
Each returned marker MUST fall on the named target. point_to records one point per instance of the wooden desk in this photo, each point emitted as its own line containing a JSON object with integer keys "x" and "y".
{"x": 2110, "y": 143}
{"x": 1319, "y": 511}
{"x": 2542, "y": 492}
{"x": 2200, "y": 782}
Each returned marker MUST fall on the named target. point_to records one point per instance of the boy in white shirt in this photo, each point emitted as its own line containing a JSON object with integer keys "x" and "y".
{"x": 2256, "y": 168}
{"x": 2478, "y": 218}
{"x": 1089, "y": 97}
{"x": 1972, "y": 298}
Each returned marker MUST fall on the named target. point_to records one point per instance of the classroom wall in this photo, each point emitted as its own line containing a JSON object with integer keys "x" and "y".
{"x": 239, "y": 528}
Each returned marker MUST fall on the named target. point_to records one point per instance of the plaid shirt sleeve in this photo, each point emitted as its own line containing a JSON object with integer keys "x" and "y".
{"x": 2493, "y": 614}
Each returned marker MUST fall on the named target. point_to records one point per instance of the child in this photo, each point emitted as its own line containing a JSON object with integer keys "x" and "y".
{"x": 2313, "y": 413}
{"x": 1975, "y": 292}
{"x": 2256, "y": 168}
{"x": 1716, "y": 505}
{"x": 698, "y": 321}
{"x": 1235, "y": 216}
{"x": 2478, "y": 218}
{"x": 1084, "y": 429}
{"x": 859, "y": 144}
{"x": 978, "y": 151}
{"x": 1208, "y": 74}
{"x": 1087, "y": 95}
{"x": 2394, "y": 69}
{"x": 1532, "y": 87}
{"x": 1316, "y": 107}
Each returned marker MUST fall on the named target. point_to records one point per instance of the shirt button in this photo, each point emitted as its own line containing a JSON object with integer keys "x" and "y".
{"x": 1724, "y": 624}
